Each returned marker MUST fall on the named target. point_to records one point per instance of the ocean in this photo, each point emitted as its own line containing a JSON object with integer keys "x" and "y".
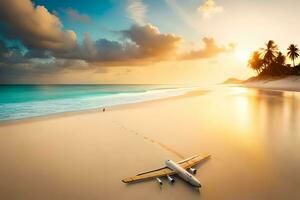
{"x": 26, "y": 101}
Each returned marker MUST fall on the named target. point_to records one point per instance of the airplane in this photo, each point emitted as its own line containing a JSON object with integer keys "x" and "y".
{"x": 182, "y": 168}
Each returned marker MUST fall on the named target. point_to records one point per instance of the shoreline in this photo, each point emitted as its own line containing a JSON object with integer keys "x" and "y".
{"x": 257, "y": 84}
{"x": 289, "y": 84}
{"x": 191, "y": 93}
{"x": 263, "y": 88}
{"x": 270, "y": 88}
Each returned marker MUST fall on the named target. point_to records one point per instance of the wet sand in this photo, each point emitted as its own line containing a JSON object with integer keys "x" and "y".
{"x": 252, "y": 135}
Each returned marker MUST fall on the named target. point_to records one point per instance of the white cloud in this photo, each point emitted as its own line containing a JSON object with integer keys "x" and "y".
{"x": 209, "y": 7}
{"x": 36, "y": 26}
{"x": 137, "y": 10}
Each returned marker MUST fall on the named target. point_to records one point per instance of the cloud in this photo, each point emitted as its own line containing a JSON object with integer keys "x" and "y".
{"x": 139, "y": 44}
{"x": 137, "y": 10}
{"x": 75, "y": 16}
{"x": 12, "y": 53}
{"x": 17, "y": 65}
{"x": 106, "y": 51}
{"x": 28, "y": 69}
{"x": 43, "y": 37}
{"x": 210, "y": 50}
{"x": 151, "y": 43}
{"x": 35, "y": 26}
{"x": 209, "y": 7}
{"x": 33, "y": 42}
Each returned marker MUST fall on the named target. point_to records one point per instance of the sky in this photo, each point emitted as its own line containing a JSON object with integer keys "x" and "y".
{"x": 187, "y": 42}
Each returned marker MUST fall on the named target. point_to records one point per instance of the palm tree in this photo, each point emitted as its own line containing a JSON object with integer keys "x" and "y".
{"x": 293, "y": 52}
{"x": 279, "y": 65}
{"x": 280, "y": 59}
{"x": 255, "y": 62}
{"x": 270, "y": 52}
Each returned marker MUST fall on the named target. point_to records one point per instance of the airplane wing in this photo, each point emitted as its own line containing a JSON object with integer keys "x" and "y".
{"x": 192, "y": 161}
{"x": 164, "y": 171}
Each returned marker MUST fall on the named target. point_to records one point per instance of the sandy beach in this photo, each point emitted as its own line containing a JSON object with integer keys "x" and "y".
{"x": 85, "y": 155}
{"x": 289, "y": 83}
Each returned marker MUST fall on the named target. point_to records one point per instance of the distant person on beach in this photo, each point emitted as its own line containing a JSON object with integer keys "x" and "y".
{"x": 103, "y": 110}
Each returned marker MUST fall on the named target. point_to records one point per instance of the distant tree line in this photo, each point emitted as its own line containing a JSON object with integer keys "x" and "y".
{"x": 269, "y": 61}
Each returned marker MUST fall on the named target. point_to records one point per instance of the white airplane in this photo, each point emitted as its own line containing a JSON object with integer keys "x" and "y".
{"x": 183, "y": 169}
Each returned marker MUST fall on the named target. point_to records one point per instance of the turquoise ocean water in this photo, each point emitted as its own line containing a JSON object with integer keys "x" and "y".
{"x": 26, "y": 101}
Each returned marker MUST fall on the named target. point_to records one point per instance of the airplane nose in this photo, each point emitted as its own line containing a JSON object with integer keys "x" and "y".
{"x": 196, "y": 183}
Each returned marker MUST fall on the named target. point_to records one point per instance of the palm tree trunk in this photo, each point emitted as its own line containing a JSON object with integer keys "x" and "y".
{"x": 294, "y": 61}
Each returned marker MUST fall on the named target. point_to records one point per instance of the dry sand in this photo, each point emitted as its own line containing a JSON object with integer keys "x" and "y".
{"x": 85, "y": 155}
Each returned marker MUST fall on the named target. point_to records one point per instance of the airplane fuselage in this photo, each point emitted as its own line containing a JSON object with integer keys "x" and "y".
{"x": 184, "y": 174}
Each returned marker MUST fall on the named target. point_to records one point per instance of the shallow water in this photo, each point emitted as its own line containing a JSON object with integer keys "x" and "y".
{"x": 27, "y": 101}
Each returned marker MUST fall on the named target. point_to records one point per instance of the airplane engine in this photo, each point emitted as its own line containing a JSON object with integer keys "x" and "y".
{"x": 159, "y": 181}
{"x": 192, "y": 170}
{"x": 170, "y": 179}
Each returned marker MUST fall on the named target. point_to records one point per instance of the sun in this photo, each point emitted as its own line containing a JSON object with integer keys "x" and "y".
{"x": 242, "y": 55}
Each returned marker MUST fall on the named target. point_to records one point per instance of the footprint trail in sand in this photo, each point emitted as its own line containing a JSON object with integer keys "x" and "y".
{"x": 146, "y": 138}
